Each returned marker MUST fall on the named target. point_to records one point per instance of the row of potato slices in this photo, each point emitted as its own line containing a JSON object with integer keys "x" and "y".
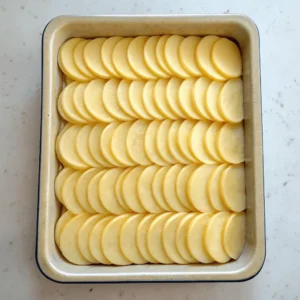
{"x": 150, "y": 58}
{"x": 168, "y": 238}
{"x": 144, "y": 143}
{"x": 154, "y": 189}
{"x": 175, "y": 98}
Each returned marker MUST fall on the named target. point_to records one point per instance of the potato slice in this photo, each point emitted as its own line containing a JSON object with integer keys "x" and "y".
{"x": 62, "y": 221}
{"x": 210, "y": 140}
{"x": 160, "y": 54}
{"x": 211, "y": 100}
{"x": 172, "y": 96}
{"x": 118, "y": 189}
{"x": 62, "y": 112}
{"x": 60, "y": 180}
{"x": 58, "y": 138}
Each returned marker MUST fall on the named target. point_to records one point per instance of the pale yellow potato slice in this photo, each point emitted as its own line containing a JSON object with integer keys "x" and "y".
{"x": 78, "y": 101}
{"x": 94, "y": 145}
{"x": 184, "y": 136}
{"x": 123, "y": 98}
{"x": 230, "y": 101}
{"x": 199, "y": 95}
{"x": 62, "y": 112}
{"x": 66, "y": 147}
{"x": 129, "y": 190}
{"x": 110, "y": 241}
{"x": 141, "y": 237}
{"x": 169, "y": 238}
{"x": 181, "y": 185}
{"x": 160, "y": 99}
{"x": 110, "y": 100}
{"x": 233, "y": 189}
{"x": 118, "y": 189}
{"x": 136, "y": 59}
{"x": 187, "y": 53}
{"x": 181, "y": 238}
{"x": 148, "y": 101}
{"x": 197, "y": 188}
{"x": 107, "y": 193}
{"x": 82, "y": 146}
{"x": 58, "y": 138}
{"x": 128, "y": 237}
{"x": 66, "y": 60}
{"x": 234, "y": 236}
{"x": 230, "y": 143}
{"x": 144, "y": 189}
{"x": 160, "y": 54}
{"x": 93, "y": 59}
{"x": 81, "y": 188}
{"x": 154, "y": 238}
{"x": 203, "y": 58}
{"x": 60, "y": 180}
{"x": 68, "y": 240}
{"x": 94, "y": 102}
{"x": 213, "y": 237}
{"x": 106, "y": 141}
{"x": 120, "y": 59}
{"x": 62, "y": 221}
{"x": 213, "y": 189}
{"x": 169, "y": 189}
{"x": 83, "y": 237}
{"x": 95, "y": 237}
{"x": 211, "y": 100}
{"x": 226, "y": 58}
{"x": 106, "y": 55}
{"x": 136, "y": 89}
{"x": 157, "y": 188}
{"x": 150, "y": 144}
{"x": 118, "y": 144}
{"x": 196, "y": 142}
{"x": 135, "y": 142}
{"x": 93, "y": 193}
{"x": 210, "y": 140}
{"x": 172, "y": 56}
{"x": 79, "y": 60}
{"x": 194, "y": 238}
{"x": 150, "y": 57}
{"x": 172, "y": 96}
{"x": 185, "y": 98}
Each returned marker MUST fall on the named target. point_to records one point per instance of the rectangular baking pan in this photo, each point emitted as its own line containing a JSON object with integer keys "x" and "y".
{"x": 238, "y": 27}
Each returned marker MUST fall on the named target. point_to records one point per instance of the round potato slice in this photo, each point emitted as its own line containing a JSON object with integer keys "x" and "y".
{"x": 154, "y": 238}
{"x": 194, "y": 238}
{"x": 210, "y": 138}
{"x": 141, "y": 237}
{"x": 128, "y": 237}
{"x": 213, "y": 237}
{"x": 118, "y": 189}
{"x": 95, "y": 240}
{"x": 169, "y": 238}
{"x": 232, "y": 188}
{"x": 181, "y": 238}
{"x": 234, "y": 236}
{"x": 213, "y": 189}
{"x": 58, "y": 138}
{"x": 68, "y": 240}
{"x": 129, "y": 190}
{"x": 203, "y": 57}
{"x": 187, "y": 51}
{"x": 62, "y": 112}
{"x": 94, "y": 102}
{"x": 211, "y": 100}
{"x": 196, "y": 142}
{"x": 172, "y": 56}
{"x": 172, "y": 96}
{"x": 110, "y": 241}
{"x": 230, "y": 143}
{"x": 93, "y": 59}
{"x": 144, "y": 189}
{"x": 62, "y": 221}
{"x": 151, "y": 59}
{"x": 66, "y": 60}
{"x": 226, "y": 58}
{"x": 135, "y": 142}
{"x": 230, "y": 101}
{"x": 136, "y": 58}
{"x": 60, "y": 180}
{"x": 120, "y": 59}
{"x": 160, "y": 54}
{"x": 197, "y": 188}
{"x": 106, "y": 55}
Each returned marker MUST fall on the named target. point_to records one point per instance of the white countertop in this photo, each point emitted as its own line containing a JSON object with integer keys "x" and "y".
{"x": 21, "y": 26}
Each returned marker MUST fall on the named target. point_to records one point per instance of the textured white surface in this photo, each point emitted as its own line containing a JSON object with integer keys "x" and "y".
{"x": 21, "y": 26}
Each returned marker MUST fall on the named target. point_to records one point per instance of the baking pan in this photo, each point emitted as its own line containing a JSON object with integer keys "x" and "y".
{"x": 238, "y": 27}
